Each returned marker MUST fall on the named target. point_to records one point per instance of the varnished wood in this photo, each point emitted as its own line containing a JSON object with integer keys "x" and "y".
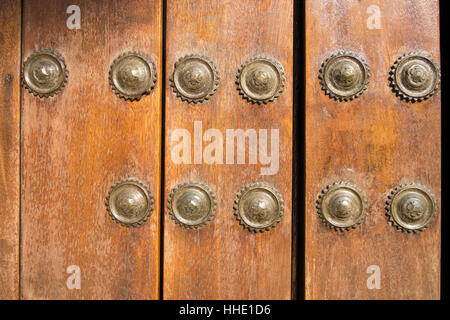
{"x": 222, "y": 260}
{"x": 78, "y": 143}
{"x": 10, "y": 12}
{"x": 376, "y": 141}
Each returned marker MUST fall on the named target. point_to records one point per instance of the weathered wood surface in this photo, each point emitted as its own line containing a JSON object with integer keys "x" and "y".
{"x": 78, "y": 143}
{"x": 10, "y": 15}
{"x": 376, "y": 141}
{"x": 222, "y": 260}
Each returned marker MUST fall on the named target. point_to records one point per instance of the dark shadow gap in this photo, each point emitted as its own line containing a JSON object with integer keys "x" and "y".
{"x": 163, "y": 130}
{"x": 298, "y": 160}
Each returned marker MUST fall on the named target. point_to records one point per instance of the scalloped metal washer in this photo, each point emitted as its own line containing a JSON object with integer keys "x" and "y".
{"x": 195, "y": 78}
{"x": 414, "y": 76}
{"x": 411, "y": 207}
{"x": 192, "y": 204}
{"x": 344, "y": 75}
{"x": 258, "y": 207}
{"x": 44, "y": 73}
{"x": 129, "y": 202}
{"x": 132, "y": 75}
{"x": 342, "y": 206}
{"x": 260, "y": 80}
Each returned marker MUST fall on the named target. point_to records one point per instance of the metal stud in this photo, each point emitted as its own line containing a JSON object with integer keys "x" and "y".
{"x": 411, "y": 207}
{"x": 258, "y": 207}
{"x": 192, "y": 204}
{"x": 260, "y": 80}
{"x": 344, "y": 76}
{"x": 342, "y": 206}
{"x": 44, "y": 73}
{"x": 195, "y": 78}
{"x": 132, "y": 75}
{"x": 414, "y": 77}
{"x": 129, "y": 202}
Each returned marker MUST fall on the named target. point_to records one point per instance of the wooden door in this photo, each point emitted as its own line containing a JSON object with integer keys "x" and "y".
{"x": 216, "y": 258}
{"x": 78, "y": 143}
{"x": 377, "y": 142}
{"x": 98, "y": 205}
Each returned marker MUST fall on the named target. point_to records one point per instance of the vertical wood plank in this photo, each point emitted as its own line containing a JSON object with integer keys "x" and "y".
{"x": 78, "y": 143}
{"x": 222, "y": 260}
{"x": 376, "y": 141}
{"x": 10, "y": 28}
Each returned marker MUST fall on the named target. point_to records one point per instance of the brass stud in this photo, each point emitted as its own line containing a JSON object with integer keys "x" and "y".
{"x": 411, "y": 207}
{"x": 195, "y": 78}
{"x": 132, "y": 75}
{"x": 44, "y": 73}
{"x": 258, "y": 207}
{"x": 129, "y": 202}
{"x": 342, "y": 206}
{"x": 260, "y": 80}
{"x": 192, "y": 204}
{"x": 344, "y": 76}
{"x": 414, "y": 77}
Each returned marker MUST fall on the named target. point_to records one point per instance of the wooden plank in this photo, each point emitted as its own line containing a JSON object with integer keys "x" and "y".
{"x": 78, "y": 143}
{"x": 10, "y": 12}
{"x": 222, "y": 260}
{"x": 376, "y": 141}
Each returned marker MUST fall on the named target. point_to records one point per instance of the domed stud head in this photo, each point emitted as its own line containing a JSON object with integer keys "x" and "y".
{"x": 129, "y": 202}
{"x": 258, "y": 207}
{"x": 44, "y": 73}
{"x": 411, "y": 207}
{"x": 342, "y": 206}
{"x": 260, "y": 80}
{"x": 192, "y": 205}
{"x": 344, "y": 76}
{"x": 414, "y": 76}
{"x": 132, "y": 75}
{"x": 195, "y": 78}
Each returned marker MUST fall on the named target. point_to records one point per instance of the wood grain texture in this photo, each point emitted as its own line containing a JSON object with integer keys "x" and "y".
{"x": 376, "y": 141}
{"x": 78, "y": 143}
{"x": 222, "y": 260}
{"x": 10, "y": 14}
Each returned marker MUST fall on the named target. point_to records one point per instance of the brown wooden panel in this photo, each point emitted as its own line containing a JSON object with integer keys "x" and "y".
{"x": 78, "y": 143}
{"x": 376, "y": 141}
{"x": 10, "y": 12}
{"x": 222, "y": 260}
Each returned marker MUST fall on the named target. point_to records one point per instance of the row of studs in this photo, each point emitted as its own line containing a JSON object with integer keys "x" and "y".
{"x": 410, "y": 207}
{"x": 195, "y": 78}
{"x": 258, "y": 206}
{"x": 414, "y": 76}
{"x": 343, "y": 76}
